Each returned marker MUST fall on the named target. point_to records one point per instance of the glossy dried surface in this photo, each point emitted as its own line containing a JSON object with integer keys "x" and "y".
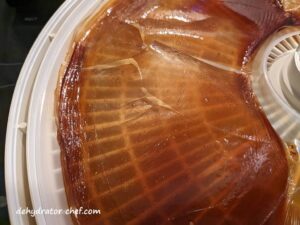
{"x": 157, "y": 123}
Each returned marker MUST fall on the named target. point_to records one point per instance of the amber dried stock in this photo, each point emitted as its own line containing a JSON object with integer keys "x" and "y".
{"x": 157, "y": 122}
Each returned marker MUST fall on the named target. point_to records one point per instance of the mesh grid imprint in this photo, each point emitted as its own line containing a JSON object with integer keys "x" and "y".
{"x": 157, "y": 122}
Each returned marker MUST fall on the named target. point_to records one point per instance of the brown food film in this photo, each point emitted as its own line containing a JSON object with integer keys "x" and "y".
{"x": 149, "y": 86}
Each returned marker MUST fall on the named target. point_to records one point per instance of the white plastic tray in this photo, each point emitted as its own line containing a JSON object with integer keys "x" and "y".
{"x": 284, "y": 119}
{"x": 17, "y": 190}
{"x": 43, "y": 153}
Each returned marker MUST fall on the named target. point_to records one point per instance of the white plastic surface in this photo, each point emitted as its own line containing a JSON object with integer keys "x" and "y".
{"x": 284, "y": 77}
{"x": 294, "y": 74}
{"x": 267, "y": 84}
{"x": 43, "y": 153}
{"x": 17, "y": 190}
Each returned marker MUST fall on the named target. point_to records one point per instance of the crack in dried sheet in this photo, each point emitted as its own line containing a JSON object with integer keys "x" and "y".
{"x": 150, "y": 99}
{"x": 165, "y": 51}
{"x": 220, "y": 66}
{"x": 236, "y": 134}
{"x": 129, "y": 61}
{"x": 158, "y": 102}
{"x": 152, "y": 103}
{"x": 201, "y": 209}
